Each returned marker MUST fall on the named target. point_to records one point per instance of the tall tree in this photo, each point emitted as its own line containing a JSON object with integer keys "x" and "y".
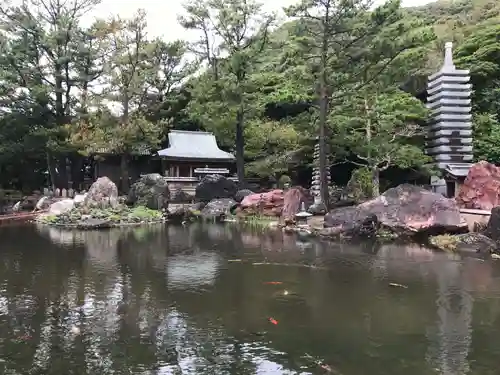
{"x": 137, "y": 83}
{"x": 241, "y": 30}
{"x": 197, "y": 18}
{"x": 41, "y": 38}
{"x": 333, "y": 36}
{"x": 125, "y": 89}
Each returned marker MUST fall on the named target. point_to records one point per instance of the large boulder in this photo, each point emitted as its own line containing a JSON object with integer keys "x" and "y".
{"x": 241, "y": 194}
{"x": 493, "y": 227}
{"x": 103, "y": 193}
{"x": 183, "y": 214}
{"x": 406, "y": 209}
{"x": 151, "y": 191}
{"x": 481, "y": 188}
{"x": 215, "y": 187}
{"x": 466, "y": 242}
{"x": 180, "y": 196}
{"x": 292, "y": 202}
{"x": 264, "y": 204}
{"x": 218, "y": 209}
{"x": 44, "y": 203}
{"x": 350, "y": 222}
{"x": 61, "y": 207}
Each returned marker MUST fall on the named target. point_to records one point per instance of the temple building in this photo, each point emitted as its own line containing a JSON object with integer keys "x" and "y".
{"x": 449, "y": 133}
{"x": 190, "y": 156}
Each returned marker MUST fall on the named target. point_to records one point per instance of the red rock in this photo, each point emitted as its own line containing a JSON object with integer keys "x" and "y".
{"x": 292, "y": 201}
{"x": 406, "y": 209}
{"x": 481, "y": 188}
{"x": 265, "y": 204}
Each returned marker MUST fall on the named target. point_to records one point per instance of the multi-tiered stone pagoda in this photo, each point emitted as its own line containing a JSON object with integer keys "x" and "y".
{"x": 449, "y": 136}
{"x": 318, "y": 205}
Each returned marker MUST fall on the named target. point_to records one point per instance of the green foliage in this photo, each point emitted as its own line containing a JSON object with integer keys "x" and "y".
{"x": 381, "y": 130}
{"x": 101, "y": 132}
{"x": 118, "y": 215}
{"x": 486, "y": 137}
{"x": 360, "y": 185}
{"x": 112, "y": 88}
{"x": 284, "y": 181}
{"x": 270, "y": 146}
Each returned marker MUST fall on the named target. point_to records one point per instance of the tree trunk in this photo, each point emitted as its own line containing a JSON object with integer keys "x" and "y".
{"x": 322, "y": 148}
{"x": 62, "y": 167}
{"x": 77, "y": 174}
{"x": 375, "y": 181}
{"x": 51, "y": 168}
{"x": 323, "y": 113}
{"x": 240, "y": 147}
{"x": 124, "y": 173}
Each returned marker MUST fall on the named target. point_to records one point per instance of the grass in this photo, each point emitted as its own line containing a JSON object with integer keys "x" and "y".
{"x": 257, "y": 221}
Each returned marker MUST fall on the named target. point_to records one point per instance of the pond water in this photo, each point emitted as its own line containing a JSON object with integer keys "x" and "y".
{"x": 208, "y": 299}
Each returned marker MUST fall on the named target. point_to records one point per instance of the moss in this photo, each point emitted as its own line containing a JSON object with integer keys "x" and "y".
{"x": 445, "y": 242}
{"x": 384, "y": 234}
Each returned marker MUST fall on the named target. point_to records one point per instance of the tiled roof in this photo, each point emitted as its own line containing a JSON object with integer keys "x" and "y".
{"x": 194, "y": 145}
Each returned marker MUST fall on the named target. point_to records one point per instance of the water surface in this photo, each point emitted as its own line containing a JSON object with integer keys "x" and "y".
{"x": 201, "y": 300}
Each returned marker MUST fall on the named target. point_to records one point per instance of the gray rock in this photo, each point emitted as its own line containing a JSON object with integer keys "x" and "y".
{"x": 180, "y": 196}
{"x": 466, "y": 242}
{"x": 350, "y": 222}
{"x": 43, "y": 203}
{"x": 218, "y": 209}
{"x": 16, "y": 207}
{"x": 215, "y": 187}
{"x": 493, "y": 227}
{"x": 79, "y": 199}
{"x": 317, "y": 209}
{"x": 103, "y": 193}
{"x": 151, "y": 191}
{"x": 183, "y": 214}
{"x": 91, "y": 223}
{"x": 240, "y": 194}
{"x": 61, "y": 207}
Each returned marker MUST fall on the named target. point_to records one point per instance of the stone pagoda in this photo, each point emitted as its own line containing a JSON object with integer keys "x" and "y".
{"x": 449, "y": 135}
{"x": 318, "y": 205}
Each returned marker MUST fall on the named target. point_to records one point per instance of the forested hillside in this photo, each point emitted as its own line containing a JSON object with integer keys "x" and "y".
{"x": 335, "y": 69}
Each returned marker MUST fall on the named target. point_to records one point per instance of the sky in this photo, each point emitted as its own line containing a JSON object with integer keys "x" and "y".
{"x": 162, "y": 15}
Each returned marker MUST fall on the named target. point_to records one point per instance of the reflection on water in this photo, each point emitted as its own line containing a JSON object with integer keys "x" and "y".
{"x": 198, "y": 299}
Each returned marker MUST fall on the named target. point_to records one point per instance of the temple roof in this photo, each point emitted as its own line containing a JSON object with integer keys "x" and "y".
{"x": 194, "y": 145}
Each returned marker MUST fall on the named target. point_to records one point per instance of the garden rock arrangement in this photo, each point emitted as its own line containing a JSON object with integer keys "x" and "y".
{"x": 103, "y": 193}
{"x": 466, "y": 242}
{"x": 406, "y": 211}
{"x": 85, "y": 217}
{"x": 215, "y": 187}
{"x": 262, "y": 204}
{"x": 151, "y": 191}
{"x": 218, "y": 209}
{"x": 403, "y": 211}
{"x": 485, "y": 242}
{"x": 99, "y": 208}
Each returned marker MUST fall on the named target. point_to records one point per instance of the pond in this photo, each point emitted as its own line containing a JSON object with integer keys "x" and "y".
{"x": 209, "y": 299}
